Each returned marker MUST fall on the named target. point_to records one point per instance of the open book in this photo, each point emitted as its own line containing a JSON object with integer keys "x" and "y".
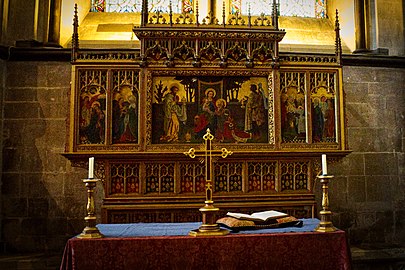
{"x": 261, "y": 217}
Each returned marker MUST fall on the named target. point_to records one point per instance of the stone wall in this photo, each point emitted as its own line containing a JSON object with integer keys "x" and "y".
{"x": 44, "y": 199}
{"x": 367, "y": 195}
{"x": 389, "y": 20}
{"x": 2, "y": 73}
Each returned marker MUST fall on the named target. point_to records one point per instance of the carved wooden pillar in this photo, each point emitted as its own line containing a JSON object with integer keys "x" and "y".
{"x": 275, "y": 14}
{"x": 212, "y": 7}
{"x": 144, "y": 19}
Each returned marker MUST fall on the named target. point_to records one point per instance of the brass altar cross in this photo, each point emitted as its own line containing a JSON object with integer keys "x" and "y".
{"x": 208, "y": 227}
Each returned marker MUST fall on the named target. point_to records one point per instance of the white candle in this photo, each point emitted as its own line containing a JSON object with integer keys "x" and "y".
{"x": 91, "y": 168}
{"x": 324, "y": 165}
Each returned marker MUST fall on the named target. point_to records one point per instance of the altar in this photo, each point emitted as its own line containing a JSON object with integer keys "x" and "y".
{"x": 168, "y": 246}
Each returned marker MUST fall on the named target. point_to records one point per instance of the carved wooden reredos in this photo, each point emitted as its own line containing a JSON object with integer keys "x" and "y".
{"x": 277, "y": 112}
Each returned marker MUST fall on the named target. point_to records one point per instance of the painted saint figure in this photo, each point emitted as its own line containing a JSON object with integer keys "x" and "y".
{"x": 95, "y": 130}
{"x": 206, "y": 117}
{"x": 301, "y": 120}
{"x": 317, "y": 121}
{"x": 220, "y": 118}
{"x": 92, "y": 118}
{"x": 175, "y": 113}
{"x": 255, "y": 116}
{"x": 117, "y": 106}
{"x": 329, "y": 129}
{"x": 85, "y": 112}
{"x": 128, "y": 121}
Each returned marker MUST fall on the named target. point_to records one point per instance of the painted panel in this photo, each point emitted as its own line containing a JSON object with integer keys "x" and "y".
{"x": 235, "y": 109}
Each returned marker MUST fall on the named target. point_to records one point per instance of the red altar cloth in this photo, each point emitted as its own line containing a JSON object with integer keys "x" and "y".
{"x": 295, "y": 251}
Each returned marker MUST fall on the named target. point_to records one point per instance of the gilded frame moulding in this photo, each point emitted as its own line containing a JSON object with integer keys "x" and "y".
{"x": 272, "y": 78}
{"x": 317, "y": 82}
{"x": 151, "y": 142}
{"x": 103, "y": 85}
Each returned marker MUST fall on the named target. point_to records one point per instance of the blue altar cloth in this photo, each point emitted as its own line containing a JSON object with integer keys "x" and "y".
{"x": 182, "y": 229}
{"x": 168, "y": 246}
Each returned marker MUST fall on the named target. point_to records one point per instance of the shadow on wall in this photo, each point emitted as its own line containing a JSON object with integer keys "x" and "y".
{"x": 25, "y": 201}
{"x": 38, "y": 213}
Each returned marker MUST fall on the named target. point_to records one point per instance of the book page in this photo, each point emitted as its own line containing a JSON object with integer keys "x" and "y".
{"x": 239, "y": 215}
{"x": 265, "y": 215}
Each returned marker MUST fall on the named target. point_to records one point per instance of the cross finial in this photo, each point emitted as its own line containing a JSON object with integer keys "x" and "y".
{"x": 208, "y": 135}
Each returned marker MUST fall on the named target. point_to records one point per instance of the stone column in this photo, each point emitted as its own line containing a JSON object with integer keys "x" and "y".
{"x": 4, "y": 21}
{"x": 360, "y": 26}
{"x": 55, "y": 10}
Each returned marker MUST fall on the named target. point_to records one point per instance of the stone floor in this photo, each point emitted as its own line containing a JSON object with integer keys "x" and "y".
{"x": 378, "y": 258}
{"x": 30, "y": 262}
{"x": 363, "y": 258}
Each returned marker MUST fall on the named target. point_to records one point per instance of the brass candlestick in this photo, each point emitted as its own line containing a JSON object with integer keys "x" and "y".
{"x": 90, "y": 231}
{"x": 326, "y": 215}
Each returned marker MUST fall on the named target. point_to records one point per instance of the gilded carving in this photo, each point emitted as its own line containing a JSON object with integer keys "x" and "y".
{"x": 103, "y": 148}
{"x": 271, "y": 112}
{"x": 294, "y": 176}
{"x": 183, "y": 52}
{"x": 236, "y": 19}
{"x": 157, "y": 52}
{"x": 124, "y": 179}
{"x": 262, "y": 176}
{"x": 159, "y": 178}
{"x": 192, "y": 177}
{"x": 187, "y": 33}
{"x": 263, "y": 53}
{"x": 100, "y": 171}
{"x": 106, "y": 56}
{"x": 210, "y": 52}
{"x": 138, "y": 110}
{"x": 228, "y": 177}
{"x": 236, "y": 53}
{"x": 326, "y": 60}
